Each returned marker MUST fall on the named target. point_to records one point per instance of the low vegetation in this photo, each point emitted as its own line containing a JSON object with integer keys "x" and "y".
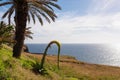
{"x": 6, "y": 33}
{"x": 70, "y": 69}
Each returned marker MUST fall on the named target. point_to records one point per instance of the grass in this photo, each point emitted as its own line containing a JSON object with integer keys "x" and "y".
{"x": 70, "y": 69}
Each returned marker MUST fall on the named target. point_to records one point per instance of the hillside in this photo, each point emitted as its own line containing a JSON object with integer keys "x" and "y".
{"x": 70, "y": 69}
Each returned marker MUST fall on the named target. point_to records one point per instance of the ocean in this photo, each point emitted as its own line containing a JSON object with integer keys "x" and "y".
{"x": 105, "y": 54}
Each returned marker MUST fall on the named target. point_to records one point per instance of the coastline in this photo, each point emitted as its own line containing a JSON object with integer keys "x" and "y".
{"x": 69, "y": 58}
{"x": 70, "y": 68}
{"x": 90, "y": 53}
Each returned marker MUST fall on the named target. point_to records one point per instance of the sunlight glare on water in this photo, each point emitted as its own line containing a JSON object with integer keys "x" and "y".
{"x": 116, "y": 46}
{"x": 115, "y": 56}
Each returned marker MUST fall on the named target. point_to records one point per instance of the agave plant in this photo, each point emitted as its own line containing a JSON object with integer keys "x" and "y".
{"x": 41, "y": 69}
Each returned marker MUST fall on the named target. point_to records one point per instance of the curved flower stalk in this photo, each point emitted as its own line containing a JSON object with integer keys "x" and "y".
{"x": 45, "y": 53}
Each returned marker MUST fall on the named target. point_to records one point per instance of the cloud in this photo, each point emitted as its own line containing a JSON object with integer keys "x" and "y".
{"x": 101, "y": 24}
{"x": 80, "y": 29}
{"x": 104, "y": 6}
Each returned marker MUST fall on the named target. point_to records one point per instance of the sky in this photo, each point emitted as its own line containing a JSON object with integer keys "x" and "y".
{"x": 80, "y": 21}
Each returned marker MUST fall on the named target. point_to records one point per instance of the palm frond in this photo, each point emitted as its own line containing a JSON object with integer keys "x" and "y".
{"x": 39, "y": 18}
{"x": 41, "y": 13}
{"x": 51, "y": 0}
{"x": 28, "y": 17}
{"x": 28, "y": 28}
{"x": 28, "y": 33}
{"x": 6, "y": 3}
{"x": 28, "y": 36}
{"x": 10, "y": 14}
{"x": 32, "y": 15}
{"x": 48, "y": 6}
{"x": 6, "y": 13}
{"x": 55, "y": 5}
{"x": 50, "y": 13}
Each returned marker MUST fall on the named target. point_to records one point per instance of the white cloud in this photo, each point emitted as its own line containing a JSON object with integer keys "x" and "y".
{"x": 81, "y": 29}
{"x": 104, "y": 6}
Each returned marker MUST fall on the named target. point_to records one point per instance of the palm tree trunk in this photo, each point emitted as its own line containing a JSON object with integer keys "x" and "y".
{"x": 21, "y": 12}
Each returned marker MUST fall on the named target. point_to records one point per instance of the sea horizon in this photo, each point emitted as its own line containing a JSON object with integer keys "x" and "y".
{"x": 91, "y": 53}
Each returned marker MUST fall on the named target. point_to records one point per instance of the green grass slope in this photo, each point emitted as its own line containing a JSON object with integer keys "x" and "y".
{"x": 70, "y": 69}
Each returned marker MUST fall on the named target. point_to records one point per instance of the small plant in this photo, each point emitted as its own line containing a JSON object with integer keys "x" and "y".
{"x": 36, "y": 69}
{"x": 6, "y": 33}
{"x": 41, "y": 69}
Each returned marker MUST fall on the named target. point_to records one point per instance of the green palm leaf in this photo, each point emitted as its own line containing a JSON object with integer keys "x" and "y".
{"x": 43, "y": 8}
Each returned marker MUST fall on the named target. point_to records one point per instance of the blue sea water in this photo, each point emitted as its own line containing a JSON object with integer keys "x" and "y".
{"x": 92, "y": 53}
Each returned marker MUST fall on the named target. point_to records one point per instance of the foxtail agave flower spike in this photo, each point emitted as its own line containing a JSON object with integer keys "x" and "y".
{"x": 45, "y": 53}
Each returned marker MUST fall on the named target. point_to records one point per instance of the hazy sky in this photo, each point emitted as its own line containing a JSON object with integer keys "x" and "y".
{"x": 81, "y": 21}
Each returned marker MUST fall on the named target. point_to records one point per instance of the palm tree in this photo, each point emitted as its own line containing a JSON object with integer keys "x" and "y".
{"x": 24, "y": 10}
{"x": 6, "y": 33}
